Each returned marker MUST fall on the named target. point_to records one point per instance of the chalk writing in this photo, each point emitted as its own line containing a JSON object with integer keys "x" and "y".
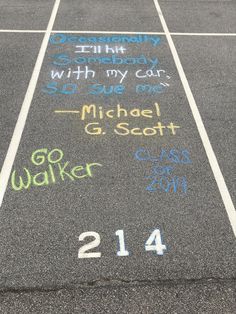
{"x": 150, "y": 89}
{"x": 118, "y": 111}
{"x": 54, "y": 170}
{"x": 173, "y": 156}
{"x": 85, "y": 73}
{"x": 57, "y": 39}
{"x": 76, "y": 64}
{"x": 149, "y": 73}
{"x": 55, "y": 88}
{"x": 97, "y": 89}
{"x": 157, "y": 129}
{"x": 162, "y": 178}
{"x": 63, "y": 59}
{"x": 117, "y": 73}
{"x": 79, "y": 73}
{"x": 99, "y": 49}
{"x": 97, "y": 112}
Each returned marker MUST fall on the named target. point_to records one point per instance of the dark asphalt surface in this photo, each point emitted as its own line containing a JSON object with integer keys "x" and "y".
{"x": 40, "y": 226}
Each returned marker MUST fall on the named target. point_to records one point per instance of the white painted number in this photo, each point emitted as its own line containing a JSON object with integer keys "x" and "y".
{"x": 155, "y": 238}
{"x": 122, "y": 251}
{"x": 95, "y": 243}
{"x": 154, "y": 243}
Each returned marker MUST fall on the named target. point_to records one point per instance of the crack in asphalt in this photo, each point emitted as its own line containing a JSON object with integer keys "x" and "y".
{"x": 118, "y": 282}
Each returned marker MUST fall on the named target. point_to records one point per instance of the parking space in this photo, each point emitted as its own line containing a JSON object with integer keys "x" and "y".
{"x": 115, "y": 15}
{"x": 115, "y": 182}
{"x": 25, "y": 15}
{"x": 148, "y": 171}
{"x": 208, "y": 63}
{"x": 200, "y": 16}
{"x": 18, "y": 55}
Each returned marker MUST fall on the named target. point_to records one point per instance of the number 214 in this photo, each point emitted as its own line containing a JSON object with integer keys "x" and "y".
{"x": 153, "y": 243}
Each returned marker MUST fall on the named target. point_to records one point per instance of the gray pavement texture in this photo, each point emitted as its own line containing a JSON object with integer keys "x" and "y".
{"x": 160, "y": 298}
{"x": 18, "y": 55}
{"x": 41, "y": 224}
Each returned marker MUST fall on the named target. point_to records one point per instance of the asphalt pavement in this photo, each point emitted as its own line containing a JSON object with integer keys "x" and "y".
{"x": 117, "y": 187}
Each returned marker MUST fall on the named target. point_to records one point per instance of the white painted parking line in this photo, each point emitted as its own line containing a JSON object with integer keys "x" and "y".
{"x": 145, "y": 33}
{"x": 109, "y": 32}
{"x": 21, "y": 31}
{"x": 203, "y": 34}
{"x": 229, "y": 206}
{"x": 114, "y": 32}
{"x": 20, "y": 124}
